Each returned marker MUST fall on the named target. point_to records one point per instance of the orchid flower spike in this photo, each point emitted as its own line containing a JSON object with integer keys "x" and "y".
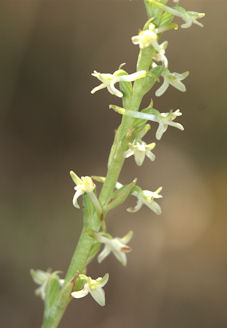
{"x": 109, "y": 81}
{"x": 140, "y": 149}
{"x": 171, "y": 78}
{"x": 147, "y": 197}
{"x": 189, "y": 17}
{"x": 115, "y": 245}
{"x": 94, "y": 287}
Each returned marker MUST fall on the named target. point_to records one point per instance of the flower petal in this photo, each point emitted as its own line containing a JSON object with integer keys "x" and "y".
{"x": 132, "y": 77}
{"x": 103, "y": 281}
{"x": 80, "y": 293}
{"x": 99, "y": 295}
{"x": 137, "y": 207}
{"x": 162, "y": 88}
{"x": 105, "y": 252}
{"x": 126, "y": 239}
{"x": 150, "y": 155}
{"x": 120, "y": 256}
{"x": 114, "y": 91}
{"x": 154, "y": 206}
{"x": 99, "y": 87}
{"x": 78, "y": 193}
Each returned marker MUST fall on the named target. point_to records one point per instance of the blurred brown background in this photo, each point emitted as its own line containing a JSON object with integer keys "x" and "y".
{"x": 50, "y": 123}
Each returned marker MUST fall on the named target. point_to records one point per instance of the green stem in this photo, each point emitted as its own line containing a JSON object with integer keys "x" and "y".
{"x": 91, "y": 218}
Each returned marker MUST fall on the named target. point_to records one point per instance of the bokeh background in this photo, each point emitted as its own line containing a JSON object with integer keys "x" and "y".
{"x": 50, "y": 123}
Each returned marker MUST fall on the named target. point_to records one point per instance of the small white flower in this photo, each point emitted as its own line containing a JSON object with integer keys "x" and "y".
{"x": 160, "y": 55}
{"x": 147, "y": 197}
{"x": 146, "y": 38}
{"x": 140, "y": 149}
{"x": 85, "y": 184}
{"x": 109, "y": 81}
{"x": 189, "y": 17}
{"x": 171, "y": 78}
{"x": 94, "y": 287}
{"x": 115, "y": 245}
{"x": 41, "y": 278}
{"x": 165, "y": 120}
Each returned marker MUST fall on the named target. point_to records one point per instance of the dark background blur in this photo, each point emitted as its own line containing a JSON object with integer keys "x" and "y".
{"x": 50, "y": 123}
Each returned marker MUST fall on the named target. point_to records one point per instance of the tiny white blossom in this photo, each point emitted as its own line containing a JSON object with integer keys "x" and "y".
{"x": 160, "y": 56}
{"x": 115, "y": 245}
{"x": 147, "y": 197}
{"x": 140, "y": 149}
{"x": 41, "y": 278}
{"x": 171, "y": 78}
{"x": 85, "y": 184}
{"x": 94, "y": 287}
{"x": 189, "y": 17}
{"x": 109, "y": 81}
{"x": 146, "y": 38}
{"x": 165, "y": 120}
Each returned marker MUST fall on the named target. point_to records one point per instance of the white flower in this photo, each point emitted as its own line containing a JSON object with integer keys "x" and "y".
{"x": 140, "y": 149}
{"x": 146, "y": 38}
{"x": 171, "y": 78}
{"x": 147, "y": 197}
{"x": 109, "y": 81}
{"x": 165, "y": 120}
{"x": 115, "y": 245}
{"x": 94, "y": 287}
{"x": 41, "y": 278}
{"x": 160, "y": 55}
{"x": 85, "y": 184}
{"x": 189, "y": 17}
